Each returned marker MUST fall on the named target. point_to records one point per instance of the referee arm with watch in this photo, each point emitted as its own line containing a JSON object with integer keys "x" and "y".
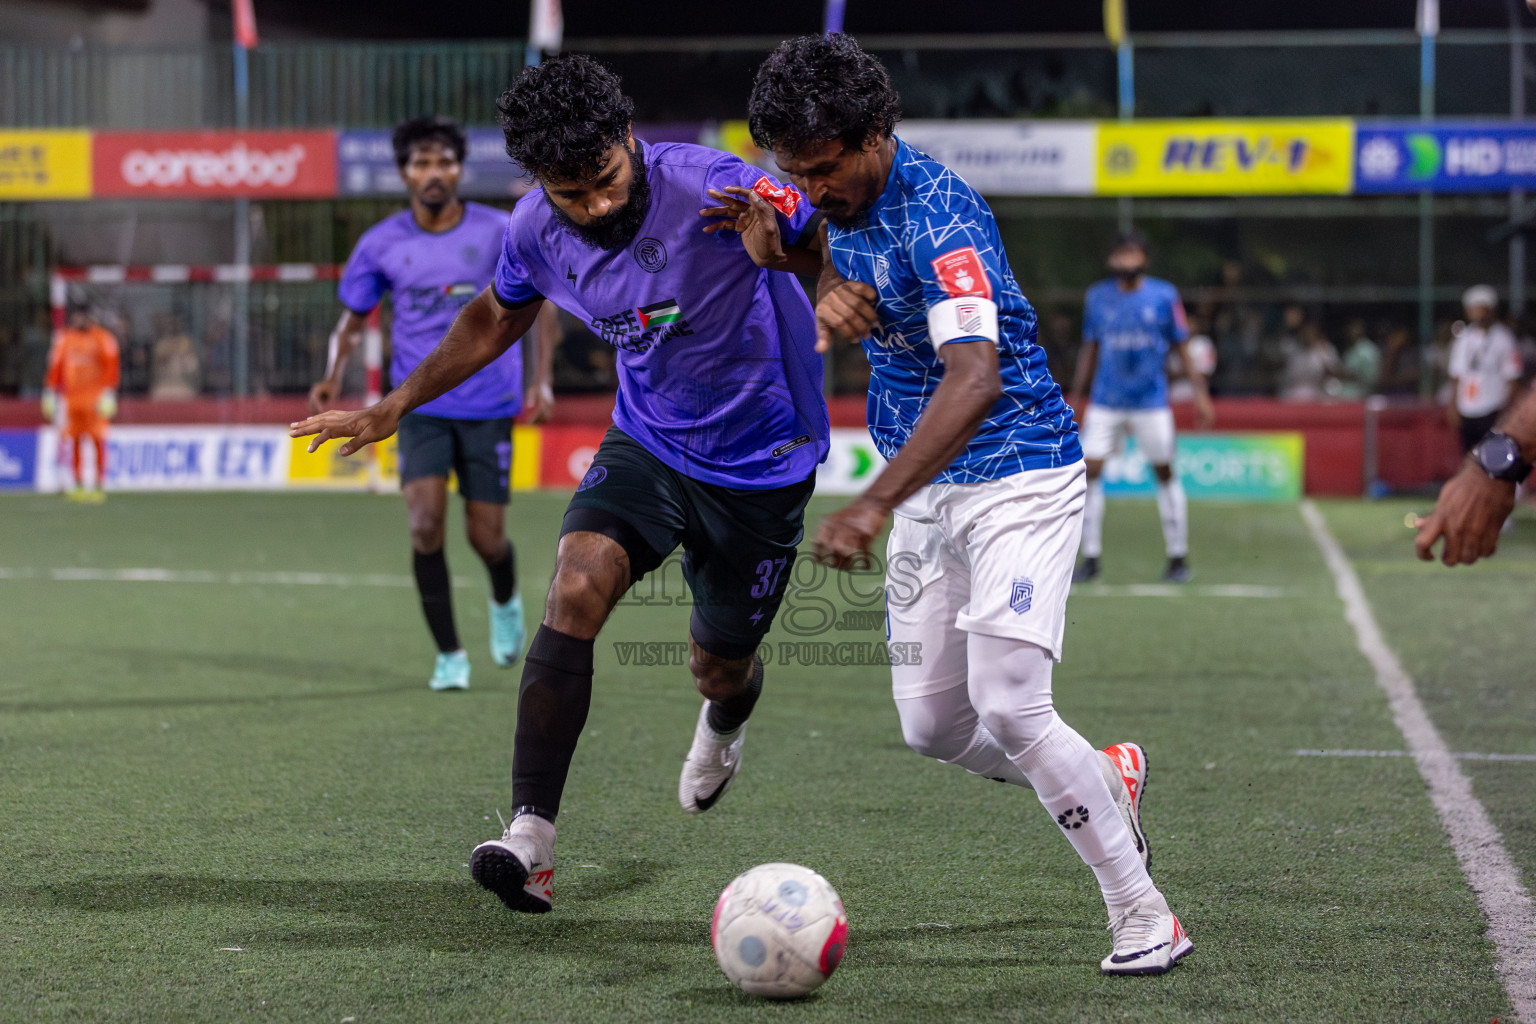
{"x": 1475, "y": 503}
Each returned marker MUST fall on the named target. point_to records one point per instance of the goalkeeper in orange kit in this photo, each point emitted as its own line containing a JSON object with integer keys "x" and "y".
{"x": 83, "y": 373}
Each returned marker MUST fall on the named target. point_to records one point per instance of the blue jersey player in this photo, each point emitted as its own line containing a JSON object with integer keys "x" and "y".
{"x": 717, "y": 430}
{"x": 985, "y": 479}
{"x": 1130, "y": 321}
{"x": 432, "y": 259}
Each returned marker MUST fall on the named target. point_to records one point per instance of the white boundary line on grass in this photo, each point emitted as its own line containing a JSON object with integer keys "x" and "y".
{"x": 1460, "y": 756}
{"x": 1477, "y": 843}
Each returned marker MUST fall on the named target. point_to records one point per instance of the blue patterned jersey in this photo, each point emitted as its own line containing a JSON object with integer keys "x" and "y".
{"x": 1133, "y": 331}
{"x": 930, "y": 244}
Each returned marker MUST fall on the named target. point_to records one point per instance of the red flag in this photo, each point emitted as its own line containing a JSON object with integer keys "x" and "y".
{"x": 245, "y": 23}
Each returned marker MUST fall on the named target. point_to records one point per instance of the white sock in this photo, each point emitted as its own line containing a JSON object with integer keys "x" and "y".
{"x": 1011, "y": 689}
{"x": 1093, "y": 520}
{"x": 1173, "y": 508}
{"x": 944, "y": 726}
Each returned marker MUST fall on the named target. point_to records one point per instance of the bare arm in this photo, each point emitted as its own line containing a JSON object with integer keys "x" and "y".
{"x": 483, "y": 330}
{"x": 752, "y": 217}
{"x": 1205, "y": 412}
{"x": 345, "y": 339}
{"x": 539, "y": 402}
{"x": 966, "y": 394}
{"x": 1082, "y": 375}
{"x": 1473, "y": 506}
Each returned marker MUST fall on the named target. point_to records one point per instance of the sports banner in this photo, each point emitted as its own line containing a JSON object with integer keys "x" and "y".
{"x": 1216, "y": 467}
{"x": 143, "y": 458}
{"x": 214, "y": 164}
{"x": 18, "y": 460}
{"x": 1470, "y": 157}
{"x": 852, "y": 463}
{"x": 1216, "y": 157}
{"x": 1012, "y": 158}
{"x": 45, "y": 165}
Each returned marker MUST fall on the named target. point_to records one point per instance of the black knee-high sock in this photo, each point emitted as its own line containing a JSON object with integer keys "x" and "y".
{"x": 503, "y": 572}
{"x": 731, "y": 714}
{"x": 436, "y": 591}
{"x": 552, "y": 710}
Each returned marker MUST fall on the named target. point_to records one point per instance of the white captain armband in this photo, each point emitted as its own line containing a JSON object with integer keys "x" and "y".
{"x": 969, "y": 316}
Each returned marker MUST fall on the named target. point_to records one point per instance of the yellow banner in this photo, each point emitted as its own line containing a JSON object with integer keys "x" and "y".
{"x": 1225, "y": 158}
{"x": 45, "y": 165}
{"x": 327, "y": 469}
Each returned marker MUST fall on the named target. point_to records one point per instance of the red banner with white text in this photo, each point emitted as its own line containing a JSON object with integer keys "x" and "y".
{"x": 223, "y": 164}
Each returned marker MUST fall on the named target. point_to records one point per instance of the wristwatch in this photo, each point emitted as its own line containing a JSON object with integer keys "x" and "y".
{"x": 1499, "y": 456}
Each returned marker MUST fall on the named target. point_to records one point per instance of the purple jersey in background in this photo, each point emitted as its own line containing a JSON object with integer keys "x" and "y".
{"x": 718, "y": 373}
{"x": 430, "y": 276}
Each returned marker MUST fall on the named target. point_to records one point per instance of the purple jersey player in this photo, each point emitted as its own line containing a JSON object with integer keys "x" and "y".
{"x": 717, "y": 431}
{"x": 432, "y": 259}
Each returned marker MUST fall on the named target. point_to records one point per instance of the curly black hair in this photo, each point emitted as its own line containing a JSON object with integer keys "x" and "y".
{"x": 817, "y": 88}
{"x": 561, "y": 117}
{"x": 428, "y": 129}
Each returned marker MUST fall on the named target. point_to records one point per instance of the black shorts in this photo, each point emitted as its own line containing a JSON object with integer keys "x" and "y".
{"x": 738, "y": 545}
{"x": 1475, "y": 428}
{"x": 479, "y": 451}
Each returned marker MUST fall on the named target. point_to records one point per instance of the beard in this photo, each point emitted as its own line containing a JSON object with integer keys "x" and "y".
{"x": 613, "y": 230}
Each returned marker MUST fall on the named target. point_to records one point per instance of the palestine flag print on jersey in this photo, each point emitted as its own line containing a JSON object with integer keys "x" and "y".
{"x": 657, "y": 313}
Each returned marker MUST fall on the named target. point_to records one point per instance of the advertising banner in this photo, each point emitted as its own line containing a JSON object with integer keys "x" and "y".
{"x": 1216, "y": 467}
{"x": 1012, "y": 158}
{"x": 565, "y": 454}
{"x": 45, "y": 165}
{"x": 142, "y": 458}
{"x": 852, "y": 462}
{"x": 18, "y": 460}
{"x": 1225, "y": 158}
{"x": 1444, "y": 157}
{"x": 214, "y": 164}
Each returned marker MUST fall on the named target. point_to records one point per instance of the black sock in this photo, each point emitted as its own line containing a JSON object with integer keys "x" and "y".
{"x": 552, "y": 707}
{"x": 503, "y": 572}
{"x": 436, "y": 591}
{"x": 729, "y": 715}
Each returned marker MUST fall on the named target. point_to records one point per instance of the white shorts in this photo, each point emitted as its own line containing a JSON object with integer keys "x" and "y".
{"x": 1104, "y": 427}
{"x": 993, "y": 558}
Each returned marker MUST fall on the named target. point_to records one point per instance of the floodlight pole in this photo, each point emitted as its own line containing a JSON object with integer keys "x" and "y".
{"x": 241, "y": 355}
{"x": 1125, "y": 62}
{"x": 1516, "y": 196}
{"x": 1426, "y": 222}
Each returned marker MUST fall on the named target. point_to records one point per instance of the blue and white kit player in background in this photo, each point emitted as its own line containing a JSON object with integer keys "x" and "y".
{"x": 432, "y": 258}
{"x": 985, "y": 477}
{"x": 1129, "y": 323}
{"x": 718, "y": 426}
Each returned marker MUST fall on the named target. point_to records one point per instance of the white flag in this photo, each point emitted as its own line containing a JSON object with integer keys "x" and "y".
{"x": 1429, "y": 18}
{"x": 546, "y": 24}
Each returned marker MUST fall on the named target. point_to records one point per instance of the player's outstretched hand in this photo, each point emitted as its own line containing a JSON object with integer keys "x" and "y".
{"x": 750, "y": 216}
{"x": 364, "y": 427}
{"x": 322, "y": 396}
{"x": 1467, "y": 517}
{"x": 845, "y": 313}
{"x": 844, "y": 538}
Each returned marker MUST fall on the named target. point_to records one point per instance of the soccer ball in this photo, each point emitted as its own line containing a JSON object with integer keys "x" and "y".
{"x": 779, "y": 931}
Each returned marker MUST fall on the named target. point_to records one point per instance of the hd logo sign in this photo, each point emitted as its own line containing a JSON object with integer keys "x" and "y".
{"x": 1226, "y": 158}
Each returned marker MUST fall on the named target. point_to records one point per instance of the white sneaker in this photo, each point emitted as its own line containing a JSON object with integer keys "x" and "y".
{"x": 1125, "y": 772}
{"x": 713, "y": 762}
{"x": 450, "y": 671}
{"x": 520, "y": 866}
{"x": 1148, "y": 938}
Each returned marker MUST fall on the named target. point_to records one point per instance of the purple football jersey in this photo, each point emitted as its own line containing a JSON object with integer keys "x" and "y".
{"x": 430, "y": 276}
{"x": 718, "y": 373}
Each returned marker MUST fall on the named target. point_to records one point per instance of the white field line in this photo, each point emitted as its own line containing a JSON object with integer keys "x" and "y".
{"x": 1177, "y": 590}
{"x": 1460, "y": 756}
{"x": 257, "y": 579}
{"x": 1477, "y": 843}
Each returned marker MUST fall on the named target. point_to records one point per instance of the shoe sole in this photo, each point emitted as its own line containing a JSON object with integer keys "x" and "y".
{"x": 1146, "y": 780}
{"x": 443, "y": 687}
{"x": 504, "y": 875}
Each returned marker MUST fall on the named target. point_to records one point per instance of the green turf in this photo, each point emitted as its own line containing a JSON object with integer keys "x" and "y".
{"x": 186, "y": 767}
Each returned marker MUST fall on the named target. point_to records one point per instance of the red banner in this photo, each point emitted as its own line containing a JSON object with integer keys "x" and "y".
{"x": 565, "y": 454}
{"x": 196, "y": 165}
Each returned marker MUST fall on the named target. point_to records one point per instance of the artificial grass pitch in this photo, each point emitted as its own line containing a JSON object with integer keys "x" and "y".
{"x": 229, "y": 794}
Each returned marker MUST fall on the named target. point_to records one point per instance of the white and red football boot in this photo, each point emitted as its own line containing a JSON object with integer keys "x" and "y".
{"x": 1125, "y": 772}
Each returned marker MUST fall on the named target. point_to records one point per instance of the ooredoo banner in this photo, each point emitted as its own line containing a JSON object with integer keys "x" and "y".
{"x": 200, "y": 165}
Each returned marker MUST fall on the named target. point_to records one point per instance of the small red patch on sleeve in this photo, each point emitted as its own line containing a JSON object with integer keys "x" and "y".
{"x": 784, "y": 198}
{"x": 962, "y": 273}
